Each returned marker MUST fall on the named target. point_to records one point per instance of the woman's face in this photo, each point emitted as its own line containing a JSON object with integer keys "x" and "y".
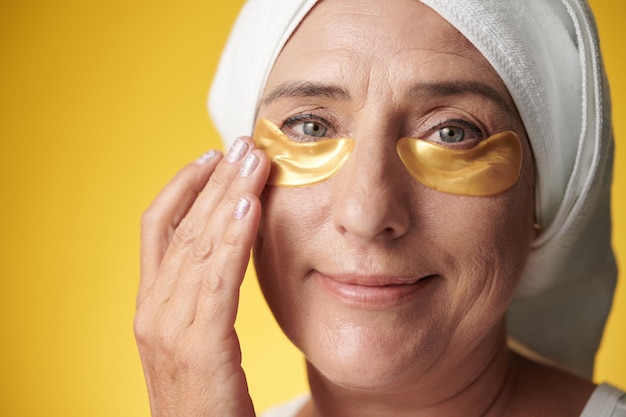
{"x": 378, "y": 279}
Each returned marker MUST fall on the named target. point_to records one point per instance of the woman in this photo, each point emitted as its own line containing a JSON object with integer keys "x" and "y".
{"x": 392, "y": 272}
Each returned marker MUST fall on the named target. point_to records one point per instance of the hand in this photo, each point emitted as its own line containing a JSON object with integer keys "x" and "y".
{"x": 195, "y": 246}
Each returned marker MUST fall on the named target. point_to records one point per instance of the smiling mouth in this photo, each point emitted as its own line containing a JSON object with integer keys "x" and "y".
{"x": 372, "y": 292}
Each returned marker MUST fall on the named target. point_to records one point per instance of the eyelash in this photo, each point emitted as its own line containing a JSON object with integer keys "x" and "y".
{"x": 458, "y": 123}
{"x": 304, "y": 117}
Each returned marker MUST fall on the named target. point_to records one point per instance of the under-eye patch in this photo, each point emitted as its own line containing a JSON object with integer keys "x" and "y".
{"x": 296, "y": 164}
{"x": 491, "y": 167}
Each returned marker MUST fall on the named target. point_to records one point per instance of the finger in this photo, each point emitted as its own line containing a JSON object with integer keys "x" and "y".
{"x": 251, "y": 178}
{"x": 214, "y": 191}
{"x": 172, "y": 269}
{"x": 195, "y": 220}
{"x": 164, "y": 214}
{"x": 197, "y": 264}
{"x": 218, "y": 295}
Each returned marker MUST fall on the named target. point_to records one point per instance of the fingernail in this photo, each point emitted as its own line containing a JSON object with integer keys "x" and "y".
{"x": 206, "y": 157}
{"x": 248, "y": 165}
{"x": 242, "y": 208}
{"x": 237, "y": 151}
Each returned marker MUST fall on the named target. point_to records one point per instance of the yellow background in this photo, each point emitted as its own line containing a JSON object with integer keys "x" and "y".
{"x": 101, "y": 101}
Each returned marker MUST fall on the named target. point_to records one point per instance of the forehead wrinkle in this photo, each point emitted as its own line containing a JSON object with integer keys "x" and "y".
{"x": 331, "y": 77}
{"x": 306, "y": 89}
{"x": 457, "y": 88}
{"x": 356, "y": 63}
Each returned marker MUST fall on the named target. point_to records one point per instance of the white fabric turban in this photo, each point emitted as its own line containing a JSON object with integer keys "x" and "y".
{"x": 547, "y": 54}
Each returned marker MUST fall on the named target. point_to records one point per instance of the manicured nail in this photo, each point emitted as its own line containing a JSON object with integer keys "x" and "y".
{"x": 206, "y": 157}
{"x": 242, "y": 208}
{"x": 237, "y": 151}
{"x": 248, "y": 165}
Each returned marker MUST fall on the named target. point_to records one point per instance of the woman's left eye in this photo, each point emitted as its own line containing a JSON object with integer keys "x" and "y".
{"x": 452, "y": 134}
{"x": 456, "y": 131}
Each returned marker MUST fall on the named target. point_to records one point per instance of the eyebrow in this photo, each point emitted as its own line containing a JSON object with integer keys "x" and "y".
{"x": 455, "y": 88}
{"x": 306, "y": 89}
{"x": 432, "y": 89}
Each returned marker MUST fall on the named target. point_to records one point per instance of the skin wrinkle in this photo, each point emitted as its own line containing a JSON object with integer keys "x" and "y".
{"x": 489, "y": 291}
{"x": 341, "y": 63}
{"x": 503, "y": 391}
{"x": 445, "y": 347}
{"x": 482, "y": 372}
{"x": 452, "y": 41}
{"x": 420, "y": 91}
{"x": 459, "y": 88}
{"x": 306, "y": 89}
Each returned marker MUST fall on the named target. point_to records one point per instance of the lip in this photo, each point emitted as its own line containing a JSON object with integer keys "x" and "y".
{"x": 371, "y": 291}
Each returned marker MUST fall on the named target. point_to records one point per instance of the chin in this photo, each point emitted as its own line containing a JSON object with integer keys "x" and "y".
{"x": 362, "y": 377}
{"x": 370, "y": 359}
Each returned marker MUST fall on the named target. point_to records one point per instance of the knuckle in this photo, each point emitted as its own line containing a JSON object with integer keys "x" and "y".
{"x": 142, "y": 327}
{"x": 153, "y": 330}
{"x": 219, "y": 180}
{"x": 232, "y": 242}
{"x": 202, "y": 249}
{"x": 214, "y": 283}
{"x": 185, "y": 233}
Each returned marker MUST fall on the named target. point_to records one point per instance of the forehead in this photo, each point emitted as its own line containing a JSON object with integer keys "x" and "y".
{"x": 373, "y": 22}
{"x": 386, "y": 43}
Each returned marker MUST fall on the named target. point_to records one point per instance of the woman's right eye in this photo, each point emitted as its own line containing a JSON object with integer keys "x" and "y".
{"x": 306, "y": 128}
{"x": 313, "y": 129}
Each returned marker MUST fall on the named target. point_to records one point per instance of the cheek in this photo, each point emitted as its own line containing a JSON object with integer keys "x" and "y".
{"x": 292, "y": 219}
{"x": 479, "y": 245}
{"x": 489, "y": 239}
{"x": 502, "y": 225}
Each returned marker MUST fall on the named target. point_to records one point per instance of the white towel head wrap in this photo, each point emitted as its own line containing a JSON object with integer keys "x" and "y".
{"x": 547, "y": 54}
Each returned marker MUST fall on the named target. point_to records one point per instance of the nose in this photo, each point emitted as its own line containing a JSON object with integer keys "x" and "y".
{"x": 371, "y": 194}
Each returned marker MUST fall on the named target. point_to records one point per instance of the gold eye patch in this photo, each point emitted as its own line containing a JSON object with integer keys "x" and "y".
{"x": 491, "y": 167}
{"x": 296, "y": 164}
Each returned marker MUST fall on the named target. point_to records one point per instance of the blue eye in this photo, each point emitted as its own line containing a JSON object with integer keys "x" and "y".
{"x": 453, "y": 131}
{"x": 307, "y": 127}
{"x": 313, "y": 129}
{"x": 452, "y": 134}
